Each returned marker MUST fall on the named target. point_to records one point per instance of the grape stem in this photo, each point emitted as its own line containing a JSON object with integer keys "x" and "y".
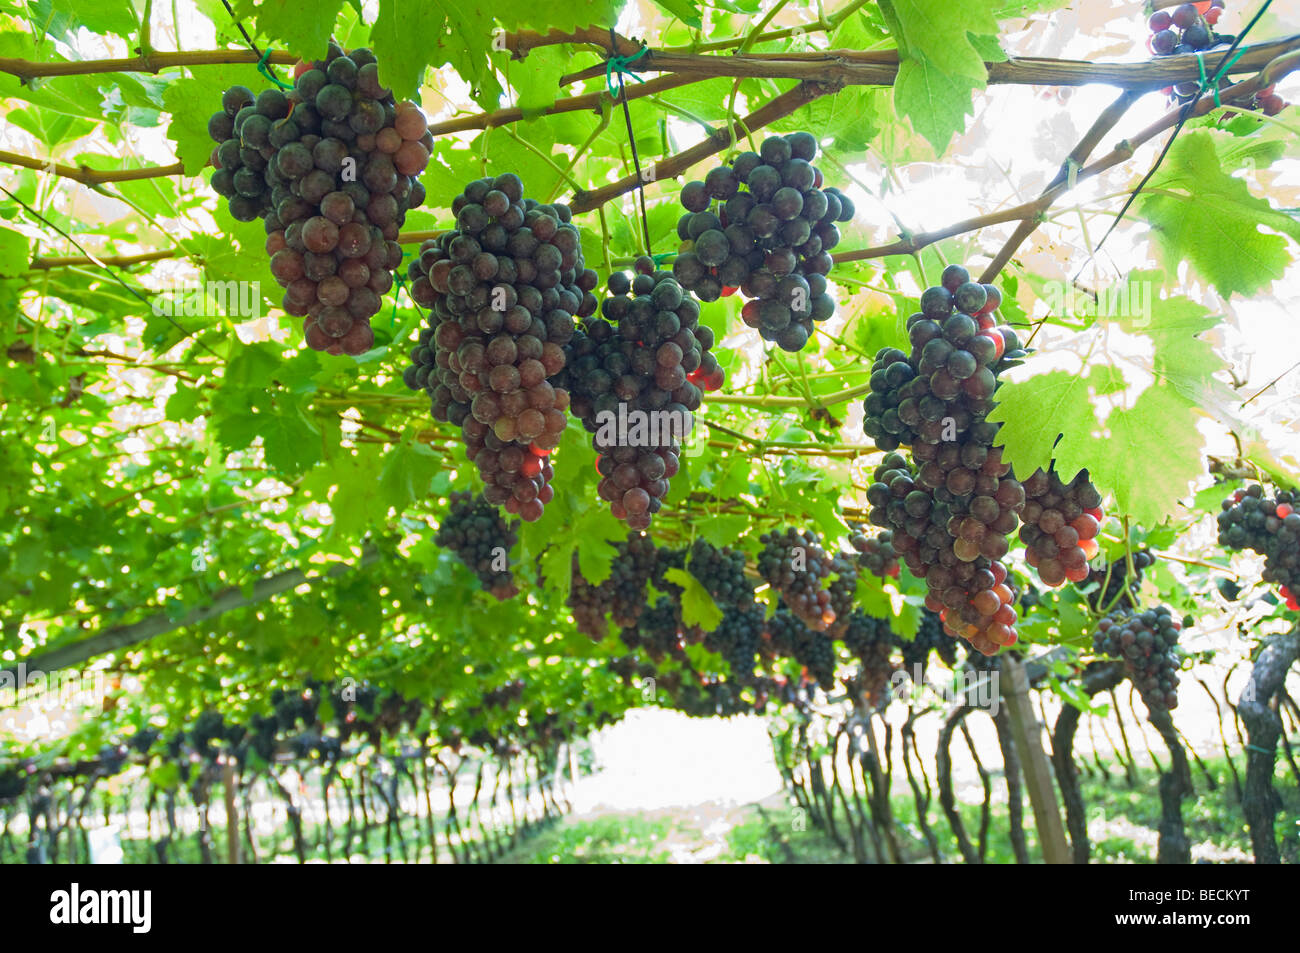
{"x": 88, "y": 176}
{"x": 1196, "y": 562}
{"x": 1102, "y": 126}
{"x": 776, "y": 400}
{"x": 880, "y": 67}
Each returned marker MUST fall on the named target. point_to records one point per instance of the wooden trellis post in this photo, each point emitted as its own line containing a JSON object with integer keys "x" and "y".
{"x": 1027, "y": 733}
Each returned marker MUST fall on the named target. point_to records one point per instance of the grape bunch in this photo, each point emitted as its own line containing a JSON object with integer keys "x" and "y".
{"x": 503, "y": 289}
{"x": 331, "y": 167}
{"x": 476, "y": 532}
{"x": 622, "y": 594}
{"x": 1061, "y": 522}
{"x": 765, "y": 225}
{"x": 589, "y": 604}
{"x": 876, "y": 554}
{"x": 657, "y": 630}
{"x": 1189, "y": 28}
{"x": 1147, "y": 644}
{"x": 1270, "y": 527}
{"x": 843, "y": 590}
{"x": 722, "y": 574}
{"x": 738, "y": 639}
{"x": 940, "y": 390}
{"x": 666, "y": 559}
{"x": 637, "y": 374}
{"x": 950, "y": 521}
{"x": 796, "y": 566}
{"x": 811, "y": 648}
{"x": 871, "y": 640}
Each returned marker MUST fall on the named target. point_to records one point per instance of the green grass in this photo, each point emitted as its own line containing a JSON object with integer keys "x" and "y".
{"x": 612, "y": 839}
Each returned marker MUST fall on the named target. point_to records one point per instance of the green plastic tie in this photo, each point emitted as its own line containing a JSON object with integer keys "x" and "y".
{"x": 1260, "y": 750}
{"x": 622, "y": 65}
{"x": 263, "y": 67}
{"x": 1212, "y": 83}
{"x": 663, "y": 257}
{"x": 1200, "y": 65}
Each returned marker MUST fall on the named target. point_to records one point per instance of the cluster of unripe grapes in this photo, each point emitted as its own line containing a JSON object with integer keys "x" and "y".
{"x": 1189, "y": 28}
{"x": 871, "y": 641}
{"x": 721, "y": 571}
{"x": 789, "y": 635}
{"x": 1269, "y": 526}
{"x": 481, "y": 538}
{"x": 1146, "y": 642}
{"x": 636, "y": 375}
{"x": 796, "y": 566}
{"x": 764, "y": 225}
{"x": 876, "y": 553}
{"x": 1061, "y": 523}
{"x": 503, "y": 289}
{"x": 331, "y": 167}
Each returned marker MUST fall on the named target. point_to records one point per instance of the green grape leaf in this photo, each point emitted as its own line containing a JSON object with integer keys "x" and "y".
{"x": 556, "y": 568}
{"x": 291, "y": 442}
{"x": 723, "y": 530}
{"x": 684, "y": 10}
{"x": 941, "y": 31}
{"x": 1201, "y": 213}
{"x": 595, "y": 556}
{"x": 698, "y": 607}
{"x": 988, "y": 48}
{"x": 303, "y": 26}
{"x": 61, "y": 18}
{"x": 1060, "y": 402}
{"x": 936, "y": 103}
{"x": 400, "y": 39}
{"x": 942, "y": 47}
{"x": 13, "y": 253}
{"x": 408, "y": 471}
{"x": 166, "y": 775}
